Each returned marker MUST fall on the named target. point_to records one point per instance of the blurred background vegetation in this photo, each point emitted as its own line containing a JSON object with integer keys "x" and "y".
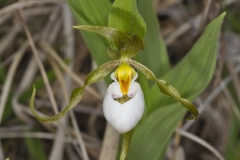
{"x": 182, "y": 22}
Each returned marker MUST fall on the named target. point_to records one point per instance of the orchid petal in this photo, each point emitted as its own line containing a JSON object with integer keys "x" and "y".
{"x": 166, "y": 89}
{"x": 76, "y": 96}
{"x": 127, "y": 45}
{"x": 100, "y": 72}
{"x": 123, "y": 117}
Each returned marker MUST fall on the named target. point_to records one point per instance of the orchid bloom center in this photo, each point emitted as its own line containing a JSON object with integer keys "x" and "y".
{"x": 124, "y": 74}
{"x": 123, "y": 111}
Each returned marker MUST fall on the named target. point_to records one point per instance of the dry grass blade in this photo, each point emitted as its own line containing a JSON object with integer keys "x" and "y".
{"x": 59, "y": 138}
{"x": 200, "y": 141}
{"x": 20, "y": 5}
{"x": 52, "y": 53}
{"x": 15, "y": 128}
{"x": 1, "y": 151}
{"x": 9, "y": 38}
{"x": 25, "y": 81}
{"x": 51, "y": 29}
{"x": 60, "y": 78}
{"x": 92, "y": 120}
{"x": 65, "y": 82}
{"x": 79, "y": 136}
{"x": 40, "y": 135}
{"x": 181, "y": 30}
{"x": 58, "y": 144}
{"x": 5, "y": 17}
{"x": 89, "y": 110}
{"x": 212, "y": 96}
{"x": 204, "y": 15}
{"x": 229, "y": 2}
{"x": 235, "y": 78}
{"x": 232, "y": 102}
{"x": 177, "y": 137}
{"x": 42, "y": 70}
{"x": 159, "y": 5}
{"x": 31, "y": 70}
{"x": 7, "y": 61}
{"x": 9, "y": 79}
{"x": 110, "y": 144}
{"x": 179, "y": 153}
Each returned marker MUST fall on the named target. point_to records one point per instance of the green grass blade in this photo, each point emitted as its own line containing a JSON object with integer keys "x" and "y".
{"x": 35, "y": 149}
{"x": 192, "y": 75}
{"x": 152, "y": 135}
{"x": 155, "y": 55}
{"x": 233, "y": 146}
{"x": 89, "y": 12}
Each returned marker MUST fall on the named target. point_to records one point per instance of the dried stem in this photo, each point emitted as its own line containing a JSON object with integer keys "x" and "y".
{"x": 20, "y": 5}
{"x": 212, "y": 96}
{"x": 201, "y": 142}
{"x": 9, "y": 79}
{"x": 110, "y": 144}
{"x": 42, "y": 70}
{"x": 76, "y": 78}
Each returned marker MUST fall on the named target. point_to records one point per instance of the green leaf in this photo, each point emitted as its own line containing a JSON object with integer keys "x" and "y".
{"x": 155, "y": 49}
{"x": 192, "y": 75}
{"x": 152, "y": 135}
{"x": 89, "y": 12}
{"x": 233, "y": 143}
{"x": 127, "y": 44}
{"x": 124, "y": 16}
{"x": 35, "y": 148}
{"x": 99, "y": 73}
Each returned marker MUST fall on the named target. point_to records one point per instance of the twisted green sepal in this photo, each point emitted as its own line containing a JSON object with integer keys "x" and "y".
{"x": 127, "y": 44}
{"x": 148, "y": 73}
{"x": 167, "y": 89}
{"x": 76, "y": 96}
{"x": 126, "y": 143}
{"x": 171, "y": 91}
{"x": 100, "y": 72}
{"x": 74, "y": 100}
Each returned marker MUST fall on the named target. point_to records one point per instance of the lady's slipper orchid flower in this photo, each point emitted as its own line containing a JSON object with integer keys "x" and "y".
{"x": 124, "y": 77}
{"x": 123, "y": 105}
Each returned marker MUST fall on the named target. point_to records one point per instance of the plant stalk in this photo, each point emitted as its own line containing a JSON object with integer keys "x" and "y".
{"x": 126, "y": 143}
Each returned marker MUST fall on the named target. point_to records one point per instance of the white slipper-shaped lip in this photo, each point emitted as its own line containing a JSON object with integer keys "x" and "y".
{"x": 123, "y": 117}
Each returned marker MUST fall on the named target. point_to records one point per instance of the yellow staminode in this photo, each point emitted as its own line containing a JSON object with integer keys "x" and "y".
{"x": 124, "y": 74}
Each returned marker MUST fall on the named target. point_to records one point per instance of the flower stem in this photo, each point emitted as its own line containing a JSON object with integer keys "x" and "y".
{"x": 126, "y": 143}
